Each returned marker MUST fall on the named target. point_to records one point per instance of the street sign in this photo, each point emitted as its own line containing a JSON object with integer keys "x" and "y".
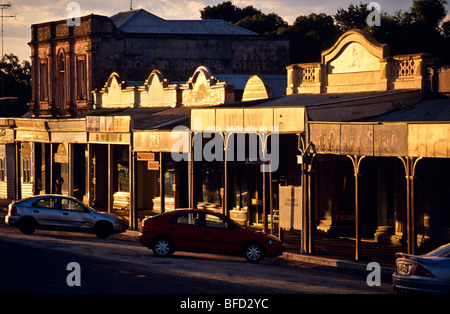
{"x": 153, "y": 165}
{"x": 145, "y": 156}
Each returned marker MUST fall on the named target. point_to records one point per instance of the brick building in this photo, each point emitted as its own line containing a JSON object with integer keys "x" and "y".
{"x": 70, "y": 62}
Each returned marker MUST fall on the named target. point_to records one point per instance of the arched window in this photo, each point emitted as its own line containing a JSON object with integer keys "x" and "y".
{"x": 61, "y": 81}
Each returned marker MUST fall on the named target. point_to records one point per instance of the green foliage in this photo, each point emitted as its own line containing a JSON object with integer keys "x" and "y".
{"x": 15, "y": 79}
{"x": 264, "y": 24}
{"x": 420, "y": 29}
{"x": 228, "y": 12}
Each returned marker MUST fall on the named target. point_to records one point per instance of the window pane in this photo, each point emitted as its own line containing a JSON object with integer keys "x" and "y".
{"x": 48, "y": 202}
{"x": 187, "y": 219}
{"x": 213, "y": 221}
{"x": 67, "y": 204}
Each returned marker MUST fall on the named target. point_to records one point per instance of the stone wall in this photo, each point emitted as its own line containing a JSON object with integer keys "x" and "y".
{"x": 106, "y": 49}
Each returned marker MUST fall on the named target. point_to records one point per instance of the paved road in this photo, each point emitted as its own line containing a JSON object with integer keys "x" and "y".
{"x": 37, "y": 264}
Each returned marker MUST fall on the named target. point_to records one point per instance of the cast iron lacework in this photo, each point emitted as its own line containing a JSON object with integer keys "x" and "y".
{"x": 403, "y": 68}
{"x": 308, "y": 75}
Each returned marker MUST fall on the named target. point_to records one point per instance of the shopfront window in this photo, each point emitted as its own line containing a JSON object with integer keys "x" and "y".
{"x": 169, "y": 183}
{"x": 26, "y": 162}
{"x": 211, "y": 182}
{"x": 2, "y": 169}
{"x": 123, "y": 176}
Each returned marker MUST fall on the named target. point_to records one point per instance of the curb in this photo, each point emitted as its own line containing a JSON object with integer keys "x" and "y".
{"x": 131, "y": 235}
{"x": 343, "y": 264}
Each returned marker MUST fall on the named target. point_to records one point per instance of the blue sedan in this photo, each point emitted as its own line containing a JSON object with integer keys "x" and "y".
{"x": 57, "y": 212}
{"x": 428, "y": 273}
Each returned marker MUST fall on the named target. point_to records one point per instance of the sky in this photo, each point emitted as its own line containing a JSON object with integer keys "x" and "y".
{"x": 23, "y": 13}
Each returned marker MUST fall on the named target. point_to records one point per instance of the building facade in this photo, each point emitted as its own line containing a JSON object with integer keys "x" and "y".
{"x": 356, "y": 128}
{"x": 69, "y": 62}
{"x": 355, "y": 150}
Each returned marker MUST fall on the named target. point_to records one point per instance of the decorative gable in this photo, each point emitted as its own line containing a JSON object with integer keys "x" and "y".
{"x": 203, "y": 89}
{"x": 157, "y": 92}
{"x": 115, "y": 94}
{"x": 357, "y": 63}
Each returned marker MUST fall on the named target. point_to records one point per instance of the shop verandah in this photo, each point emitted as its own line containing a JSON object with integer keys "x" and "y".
{"x": 375, "y": 189}
{"x": 240, "y": 156}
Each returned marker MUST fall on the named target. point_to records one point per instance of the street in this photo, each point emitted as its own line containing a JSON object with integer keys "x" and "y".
{"x": 39, "y": 263}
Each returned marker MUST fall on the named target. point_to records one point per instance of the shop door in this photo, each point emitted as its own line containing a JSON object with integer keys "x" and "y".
{"x": 99, "y": 166}
{"x": 169, "y": 189}
{"x": 256, "y": 196}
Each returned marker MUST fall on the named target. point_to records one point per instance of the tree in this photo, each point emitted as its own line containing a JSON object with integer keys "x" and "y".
{"x": 415, "y": 31}
{"x": 353, "y": 17}
{"x": 16, "y": 79}
{"x": 20, "y": 73}
{"x": 263, "y": 24}
{"x": 428, "y": 13}
{"x": 247, "y": 17}
{"x": 228, "y": 12}
{"x": 419, "y": 29}
{"x": 310, "y": 35}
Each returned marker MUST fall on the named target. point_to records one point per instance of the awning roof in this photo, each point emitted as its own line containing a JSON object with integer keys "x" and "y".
{"x": 162, "y": 118}
{"x": 342, "y": 107}
{"x": 426, "y": 110}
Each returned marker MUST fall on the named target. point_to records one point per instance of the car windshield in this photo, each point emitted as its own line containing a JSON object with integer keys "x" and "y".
{"x": 442, "y": 251}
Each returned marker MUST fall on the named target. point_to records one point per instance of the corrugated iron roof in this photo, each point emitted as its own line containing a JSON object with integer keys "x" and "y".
{"x": 148, "y": 118}
{"x": 143, "y": 22}
{"x": 426, "y": 110}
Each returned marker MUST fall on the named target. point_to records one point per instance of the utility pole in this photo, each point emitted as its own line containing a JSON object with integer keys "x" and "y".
{"x": 4, "y": 6}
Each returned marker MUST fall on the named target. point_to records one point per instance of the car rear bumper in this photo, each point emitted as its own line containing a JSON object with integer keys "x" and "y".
{"x": 12, "y": 220}
{"x": 422, "y": 284}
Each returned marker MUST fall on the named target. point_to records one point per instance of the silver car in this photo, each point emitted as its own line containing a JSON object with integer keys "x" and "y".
{"x": 57, "y": 212}
{"x": 423, "y": 273}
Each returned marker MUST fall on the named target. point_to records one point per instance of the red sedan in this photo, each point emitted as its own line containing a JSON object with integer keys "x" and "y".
{"x": 197, "y": 230}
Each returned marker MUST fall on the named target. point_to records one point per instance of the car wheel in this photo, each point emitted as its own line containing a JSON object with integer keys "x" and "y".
{"x": 103, "y": 229}
{"x": 254, "y": 252}
{"x": 162, "y": 247}
{"x": 27, "y": 225}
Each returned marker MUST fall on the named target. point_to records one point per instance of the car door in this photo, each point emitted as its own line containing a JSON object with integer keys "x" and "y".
{"x": 220, "y": 235}
{"x": 74, "y": 215}
{"x": 185, "y": 231}
{"x": 47, "y": 211}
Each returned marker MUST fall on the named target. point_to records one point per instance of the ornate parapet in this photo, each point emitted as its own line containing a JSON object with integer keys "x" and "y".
{"x": 358, "y": 63}
{"x": 203, "y": 89}
{"x": 115, "y": 94}
{"x": 407, "y": 71}
{"x": 304, "y": 78}
{"x": 157, "y": 92}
